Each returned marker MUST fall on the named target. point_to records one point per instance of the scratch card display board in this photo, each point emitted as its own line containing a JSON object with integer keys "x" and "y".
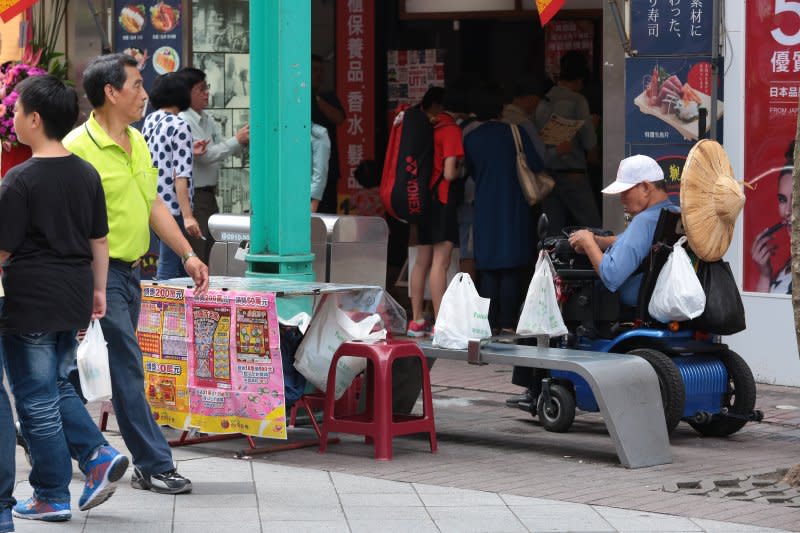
{"x": 213, "y": 362}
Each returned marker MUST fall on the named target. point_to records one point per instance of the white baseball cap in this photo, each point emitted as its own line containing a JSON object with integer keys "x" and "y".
{"x": 634, "y": 170}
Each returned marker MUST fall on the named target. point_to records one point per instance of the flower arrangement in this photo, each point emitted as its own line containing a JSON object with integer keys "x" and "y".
{"x": 10, "y": 75}
{"x": 39, "y": 57}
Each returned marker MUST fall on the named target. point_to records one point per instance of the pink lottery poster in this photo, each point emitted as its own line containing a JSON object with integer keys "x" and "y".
{"x": 234, "y": 373}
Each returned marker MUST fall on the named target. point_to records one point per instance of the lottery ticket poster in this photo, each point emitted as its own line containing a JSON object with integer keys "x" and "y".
{"x": 235, "y": 380}
{"x": 162, "y": 335}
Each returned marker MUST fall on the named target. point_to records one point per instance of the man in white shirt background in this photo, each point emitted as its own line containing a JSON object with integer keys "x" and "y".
{"x": 207, "y": 165}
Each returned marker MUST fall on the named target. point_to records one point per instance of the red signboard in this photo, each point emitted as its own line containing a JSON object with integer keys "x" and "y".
{"x": 548, "y": 9}
{"x": 11, "y": 8}
{"x": 771, "y": 97}
{"x": 355, "y": 87}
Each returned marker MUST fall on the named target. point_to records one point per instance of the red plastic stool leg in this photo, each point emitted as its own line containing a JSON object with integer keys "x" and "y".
{"x": 382, "y": 415}
{"x": 427, "y": 403}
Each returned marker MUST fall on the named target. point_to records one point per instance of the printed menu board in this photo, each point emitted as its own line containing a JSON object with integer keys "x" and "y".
{"x": 150, "y": 32}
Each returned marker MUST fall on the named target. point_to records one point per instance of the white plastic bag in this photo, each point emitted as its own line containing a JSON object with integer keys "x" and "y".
{"x": 541, "y": 314}
{"x": 678, "y": 294}
{"x": 330, "y": 328}
{"x": 93, "y": 365}
{"x": 463, "y": 315}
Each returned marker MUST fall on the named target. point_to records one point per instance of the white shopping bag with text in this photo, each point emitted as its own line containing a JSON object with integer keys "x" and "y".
{"x": 463, "y": 315}
{"x": 678, "y": 294}
{"x": 329, "y": 328}
{"x": 541, "y": 314}
{"x": 93, "y": 370}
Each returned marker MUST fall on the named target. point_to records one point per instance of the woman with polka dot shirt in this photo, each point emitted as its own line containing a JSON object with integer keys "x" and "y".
{"x": 170, "y": 142}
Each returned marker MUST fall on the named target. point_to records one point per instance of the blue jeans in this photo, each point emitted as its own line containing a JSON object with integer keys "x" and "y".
{"x": 142, "y": 436}
{"x": 48, "y": 408}
{"x": 8, "y": 469}
{"x": 169, "y": 263}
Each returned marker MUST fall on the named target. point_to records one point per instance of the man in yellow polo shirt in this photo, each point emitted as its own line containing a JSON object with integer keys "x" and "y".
{"x": 120, "y": 155}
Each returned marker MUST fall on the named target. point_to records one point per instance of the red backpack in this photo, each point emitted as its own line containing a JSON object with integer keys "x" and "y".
{"x": 408, "y": 166}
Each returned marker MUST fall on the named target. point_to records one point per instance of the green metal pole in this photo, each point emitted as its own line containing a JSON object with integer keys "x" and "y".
{"x": 280, "y": 140}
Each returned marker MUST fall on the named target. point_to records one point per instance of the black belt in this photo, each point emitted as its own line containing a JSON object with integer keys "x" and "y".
{"x": 212, "y": 189}
{"x": 130, "y": 265}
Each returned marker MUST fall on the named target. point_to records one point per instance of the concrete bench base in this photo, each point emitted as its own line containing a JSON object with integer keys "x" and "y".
{"x": 625, "y": 387}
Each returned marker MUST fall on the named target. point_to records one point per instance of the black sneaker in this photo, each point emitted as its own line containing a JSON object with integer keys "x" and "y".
{"x": 169, "y": 482}
{"x": 525, "y": 398}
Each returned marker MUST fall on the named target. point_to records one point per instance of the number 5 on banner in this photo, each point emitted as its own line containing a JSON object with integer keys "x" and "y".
{"x": 786, "y": 6}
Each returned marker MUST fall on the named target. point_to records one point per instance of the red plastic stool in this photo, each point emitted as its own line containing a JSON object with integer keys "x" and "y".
{"x": 378, "y": 423}
{"x": 105, "y": 410}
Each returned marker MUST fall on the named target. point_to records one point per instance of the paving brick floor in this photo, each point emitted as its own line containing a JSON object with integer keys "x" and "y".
{"x": 484, "y": 445}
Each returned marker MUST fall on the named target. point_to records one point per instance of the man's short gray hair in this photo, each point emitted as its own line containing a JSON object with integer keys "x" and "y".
{"x": 105, "y": 70}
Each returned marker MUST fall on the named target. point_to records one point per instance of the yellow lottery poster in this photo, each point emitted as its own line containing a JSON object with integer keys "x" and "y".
{"x": 163, "y": 338}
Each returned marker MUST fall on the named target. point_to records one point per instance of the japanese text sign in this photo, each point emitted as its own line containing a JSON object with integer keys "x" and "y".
{"x": 671, "y": 27}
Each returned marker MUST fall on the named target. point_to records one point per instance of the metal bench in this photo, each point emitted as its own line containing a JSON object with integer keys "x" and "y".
{"x": 625, "y": 386}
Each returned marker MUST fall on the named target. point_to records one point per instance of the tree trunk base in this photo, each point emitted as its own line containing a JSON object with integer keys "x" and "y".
{"x": 792, "y": 477}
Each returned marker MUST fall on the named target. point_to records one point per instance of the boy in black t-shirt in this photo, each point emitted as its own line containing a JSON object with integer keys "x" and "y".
{"x": 54, "y": 256}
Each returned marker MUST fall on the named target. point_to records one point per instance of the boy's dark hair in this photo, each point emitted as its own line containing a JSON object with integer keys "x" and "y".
{"x": 102, "y": 71}
{"x": 192, "y": 76}
{"x": 486, "y": 101}
{"x": 170, "y": 90}
{"x": 56, "y": 103}
{"x": 573, "y": 66}
{"x": 434, "y": 95}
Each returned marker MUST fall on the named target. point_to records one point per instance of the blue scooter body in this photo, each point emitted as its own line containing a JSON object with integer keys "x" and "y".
{"x": 705, "y": 376}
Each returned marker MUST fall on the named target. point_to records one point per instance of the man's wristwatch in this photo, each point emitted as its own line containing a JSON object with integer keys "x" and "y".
{"x": 185, "y": 257}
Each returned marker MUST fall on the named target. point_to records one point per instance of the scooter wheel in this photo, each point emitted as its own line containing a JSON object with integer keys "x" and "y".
{"x": 673, "y": 390}
{"x": 558, "y": 415}
{"x": 740, "y": 399}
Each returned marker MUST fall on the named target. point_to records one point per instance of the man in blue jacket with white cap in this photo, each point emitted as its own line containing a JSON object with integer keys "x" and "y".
{"x": 643, "y": 193}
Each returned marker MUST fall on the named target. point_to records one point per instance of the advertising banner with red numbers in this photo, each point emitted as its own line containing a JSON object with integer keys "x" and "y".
{"x": 772, "y": 90}
{"x": 213, "y": 362}
{"x": 355, "y": 87}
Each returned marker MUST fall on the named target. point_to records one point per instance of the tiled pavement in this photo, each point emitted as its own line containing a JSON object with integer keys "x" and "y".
{"x": 496, "y": 470}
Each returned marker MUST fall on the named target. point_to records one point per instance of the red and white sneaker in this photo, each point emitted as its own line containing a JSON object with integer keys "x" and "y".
{"x": 417, "y": 328}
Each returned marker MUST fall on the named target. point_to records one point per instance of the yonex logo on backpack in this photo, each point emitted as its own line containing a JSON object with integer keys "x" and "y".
{"x": 407, "y": 168}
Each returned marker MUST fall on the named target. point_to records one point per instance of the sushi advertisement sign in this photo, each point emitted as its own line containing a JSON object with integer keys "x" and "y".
{"x": 213, "y": 362}
{"x": 663, "y": 99}
{"x": 772, "y": 90}
{"x": 151, "y": 32}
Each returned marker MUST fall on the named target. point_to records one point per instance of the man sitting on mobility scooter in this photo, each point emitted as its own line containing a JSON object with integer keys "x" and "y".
{"x": 702, "y": 381}
{"x": 616, "y": 259}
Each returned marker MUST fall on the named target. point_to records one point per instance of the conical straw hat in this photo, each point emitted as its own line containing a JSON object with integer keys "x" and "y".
{"x": 711, "y": 200}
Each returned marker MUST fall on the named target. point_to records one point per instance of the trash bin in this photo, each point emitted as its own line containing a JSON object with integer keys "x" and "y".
{"x": 357, "y": 250}
{"x": 347, "y": 249}
{"x": 229, "y": 231}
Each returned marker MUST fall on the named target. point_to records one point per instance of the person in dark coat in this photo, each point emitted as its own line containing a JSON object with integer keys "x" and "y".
{"x": 502, "y": 231}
